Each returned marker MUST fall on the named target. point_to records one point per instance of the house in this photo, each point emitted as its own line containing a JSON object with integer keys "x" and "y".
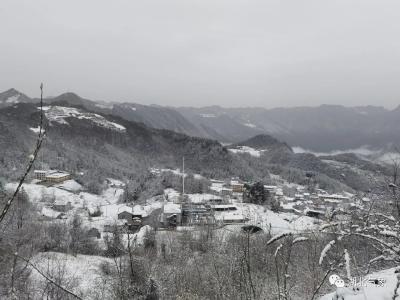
{"x": 223, "y": 207}
{"x": 53, "y": 176}
{"x": 335, "y": 197}
{"x": 230, "y": 217}
{"x": 226, "y": 191}
{"x": 195, "y": 212}
{"x": 215, "y": 201}
{"x": 125, "y": 215}
{"x": 133, "y": 215}
{"x": 62, "y": 205}
{"x": 171, "y": 215}
{"x": 40, "y": 174}
{"x": 236, "y": 186}
{"x": 57, "y": 176}
{"x": 270, "y": 188}
{"x": 318, "y": 214}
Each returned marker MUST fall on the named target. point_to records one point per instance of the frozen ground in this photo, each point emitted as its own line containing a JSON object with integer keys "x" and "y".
{"x": 81, "y": 274}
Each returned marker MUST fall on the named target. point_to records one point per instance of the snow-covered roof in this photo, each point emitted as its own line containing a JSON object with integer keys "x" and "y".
{"x": 40, "y": 172}
{"x": 224, "y": 206}
{"x": 270, "y": 187}
{"x": 172, "y": 208}
{"x": 234, "y": 216}
{"x": 333, "y": 196}
{"x": 70, "y": 185}
{"x": 134, "y": 210}
{"x": 48, "y": 212}
{"x": 61, "y": 202}
{"x": 57, "y": 174}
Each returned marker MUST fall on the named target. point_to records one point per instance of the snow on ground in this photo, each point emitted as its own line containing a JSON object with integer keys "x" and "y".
{"x": 13, "y": 99}
{"x": 171, "y": 195}
{"x": 115, "y": 182}
{"x": 134, "y": 239}
{"x": 110, "y": 213}
{"x": 37, "y": 192}
{"x": 173, "y": 171}
{"x": 246, "y": 149}
{"x": 50, "y": 213}
{"x": 81, "y": 202}
{"x": 275, "y": 222}
{"x": 370, "y": 291}
{"x": 60, "y": 113}
{"x": 82, "y": 274}
{"x": 36, "y": 130}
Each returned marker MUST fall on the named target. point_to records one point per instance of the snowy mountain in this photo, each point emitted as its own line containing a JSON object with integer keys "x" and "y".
{"x": 80, "y": 139}
{"x": 11, "y": 97}
{"x": 321, "y": 129}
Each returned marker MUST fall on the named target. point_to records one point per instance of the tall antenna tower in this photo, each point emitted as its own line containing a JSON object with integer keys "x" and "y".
{"x": 183, "y": 177}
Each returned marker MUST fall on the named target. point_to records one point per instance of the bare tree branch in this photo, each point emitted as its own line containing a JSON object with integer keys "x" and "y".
{"x": 32, "y": 159}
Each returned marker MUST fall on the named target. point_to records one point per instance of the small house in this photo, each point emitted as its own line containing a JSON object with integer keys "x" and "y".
{"x": 230, "y": 217}
{"x": 318, "y": 214}
{"x": 171, "y": 215}
{"x": 236, "y": 186}
{"x": 125, "y": 215}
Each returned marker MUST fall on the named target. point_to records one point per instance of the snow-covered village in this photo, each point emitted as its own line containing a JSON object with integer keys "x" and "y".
{"x": 199, "y": 150}
{"x": 222, "y": 209}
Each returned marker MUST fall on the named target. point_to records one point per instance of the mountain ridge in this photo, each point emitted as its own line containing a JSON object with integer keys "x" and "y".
{"x": 323, "y": 128}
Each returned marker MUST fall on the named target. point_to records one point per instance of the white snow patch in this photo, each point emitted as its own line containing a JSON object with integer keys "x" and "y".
{"x": 13, "y": 99}
{"x": 36, "y": 130}
{"x": 246, "y": 149}
{"x": 250, "y": 125}
{"x": 208, "y": 115}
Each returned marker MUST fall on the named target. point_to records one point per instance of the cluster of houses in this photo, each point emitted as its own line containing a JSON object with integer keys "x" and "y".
{"x": 219, "y": 209}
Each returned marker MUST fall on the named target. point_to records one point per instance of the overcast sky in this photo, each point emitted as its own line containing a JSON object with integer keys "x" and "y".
{"x": 196, "y": 53}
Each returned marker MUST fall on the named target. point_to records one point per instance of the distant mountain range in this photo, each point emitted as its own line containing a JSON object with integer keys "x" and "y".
{"x": 324, "y": 128}
{"x": 118, "y": 140}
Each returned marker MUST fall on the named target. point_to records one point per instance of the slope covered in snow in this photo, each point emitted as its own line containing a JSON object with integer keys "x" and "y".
{"x": 59, "y": 114}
